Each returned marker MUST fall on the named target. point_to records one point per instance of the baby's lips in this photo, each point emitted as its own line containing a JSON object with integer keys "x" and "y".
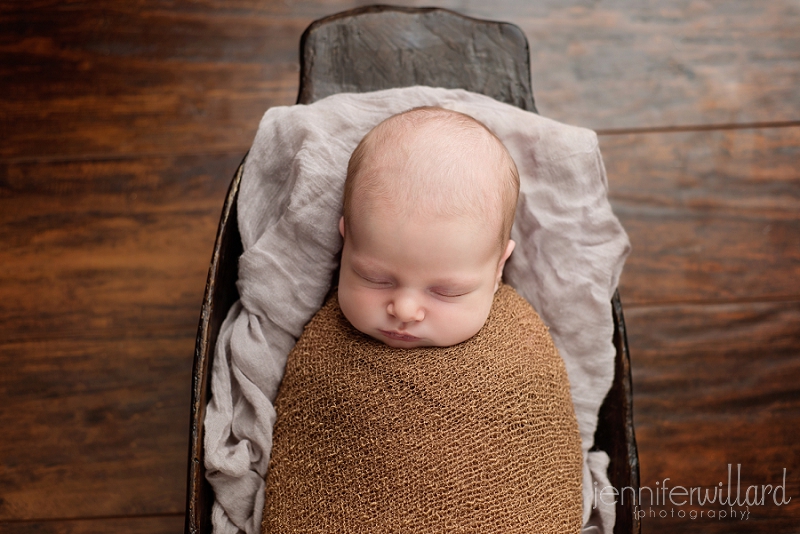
{"x": 400, "y": 336}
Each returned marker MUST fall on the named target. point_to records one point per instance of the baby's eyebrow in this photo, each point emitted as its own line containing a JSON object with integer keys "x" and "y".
{"x": 456, "y": 283}
{"x": 366, "y": 265}
{"x": 369, "y": 270}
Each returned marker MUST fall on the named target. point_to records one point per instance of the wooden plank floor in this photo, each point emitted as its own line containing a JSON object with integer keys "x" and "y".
{"x": 122, "y": 124}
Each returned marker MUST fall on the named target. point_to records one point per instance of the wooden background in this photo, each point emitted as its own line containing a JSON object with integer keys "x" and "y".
{"x": 122, "y": 125}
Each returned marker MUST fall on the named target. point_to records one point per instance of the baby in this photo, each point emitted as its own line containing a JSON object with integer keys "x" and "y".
{"x": 429, "y": 202}
{"x": 425, "y": 396}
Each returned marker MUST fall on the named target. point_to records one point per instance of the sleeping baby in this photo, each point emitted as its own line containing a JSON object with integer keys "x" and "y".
{"x": 425, "y": 395}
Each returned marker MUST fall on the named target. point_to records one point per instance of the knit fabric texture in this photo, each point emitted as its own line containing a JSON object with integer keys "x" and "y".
{"x": 478, "y": 437}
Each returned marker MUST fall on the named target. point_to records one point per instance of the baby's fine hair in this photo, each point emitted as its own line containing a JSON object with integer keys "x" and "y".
{"x": 441, "y": 153}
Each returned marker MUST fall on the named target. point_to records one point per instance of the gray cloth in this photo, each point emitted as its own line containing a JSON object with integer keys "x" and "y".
{"x": 569, "y": 255}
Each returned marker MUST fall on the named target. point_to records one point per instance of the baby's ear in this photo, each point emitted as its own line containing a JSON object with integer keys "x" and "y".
{"x": 506, "y": 253}
{"x": 341, "y": 226}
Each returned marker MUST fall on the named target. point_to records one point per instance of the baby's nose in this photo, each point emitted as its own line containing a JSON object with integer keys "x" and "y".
{"x": 405, "y": 309}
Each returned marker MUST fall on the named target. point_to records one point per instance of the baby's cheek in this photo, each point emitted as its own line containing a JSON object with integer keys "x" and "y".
{"x": 357, "y": 306}
{"x": 479, "y": 314}
{"x": 463, "y": 322}
{"x": 348, "y": 305}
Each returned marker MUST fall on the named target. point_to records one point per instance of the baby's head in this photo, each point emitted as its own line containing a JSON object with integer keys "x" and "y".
{"x": 429, "y": 203}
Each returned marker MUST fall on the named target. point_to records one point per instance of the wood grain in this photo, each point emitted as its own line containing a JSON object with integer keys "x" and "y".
{"x": 708, "y": 213}
{"x": 384, "y": 48}
{"x": 94, "y": 428}
{"x": 118, "y": 78}
{"x": 620, "y": 64}
{"x": 121, "y": 126}
{"x": 717, "y": 385}
{"x": 96, "y": 248}
{"x": 129, "y": 525}
{"x": 104, "y": 264}
{"x": 97, "y": 78}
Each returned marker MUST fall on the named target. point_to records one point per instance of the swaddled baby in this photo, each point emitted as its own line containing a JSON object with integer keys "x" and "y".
{"x": 425, "y": 396}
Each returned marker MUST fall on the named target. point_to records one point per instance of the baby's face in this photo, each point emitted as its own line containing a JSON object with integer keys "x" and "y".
{"x": 417, "y": 282}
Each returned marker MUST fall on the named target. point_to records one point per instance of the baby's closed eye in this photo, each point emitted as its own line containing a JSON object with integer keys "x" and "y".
{"x": 373, "y": 279}
{"x": 449, "y": 292}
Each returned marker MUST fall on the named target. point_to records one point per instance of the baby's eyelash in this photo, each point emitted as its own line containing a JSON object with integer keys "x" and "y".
{"x": 374, "y": 280}
{"x": 449, "y": 295}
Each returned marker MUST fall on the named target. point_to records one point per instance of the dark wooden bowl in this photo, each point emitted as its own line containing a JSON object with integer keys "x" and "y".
{"x": 380, "y": 47}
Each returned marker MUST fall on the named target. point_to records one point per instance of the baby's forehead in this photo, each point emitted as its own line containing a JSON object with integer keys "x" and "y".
{"x": 432, "y": 162}
{"x": 450, "y": 144}
{"x": 427, "y": 192}
{"x": 431, "y": 159}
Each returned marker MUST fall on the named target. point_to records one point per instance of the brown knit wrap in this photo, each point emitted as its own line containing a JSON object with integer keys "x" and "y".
{"x": 479, "y": 437}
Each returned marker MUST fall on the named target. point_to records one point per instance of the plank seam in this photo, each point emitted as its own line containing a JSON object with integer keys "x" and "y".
{"x": 697, "y": 128}
{"x": 792, "y": 299}
{"x": 93, "y": 518}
